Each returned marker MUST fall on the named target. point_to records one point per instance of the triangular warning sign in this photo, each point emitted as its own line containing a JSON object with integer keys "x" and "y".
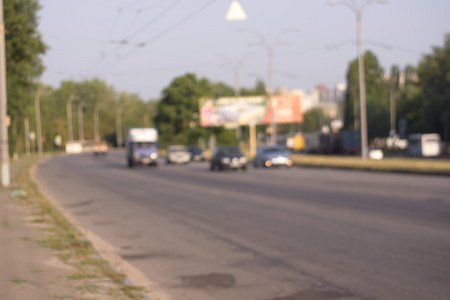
{"x": 235, "y": 12}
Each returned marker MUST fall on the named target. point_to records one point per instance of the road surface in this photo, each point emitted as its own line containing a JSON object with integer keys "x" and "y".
{"x": 281, "y": 234}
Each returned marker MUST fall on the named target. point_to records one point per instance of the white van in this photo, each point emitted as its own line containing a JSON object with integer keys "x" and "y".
{"x": 425, "y": 145}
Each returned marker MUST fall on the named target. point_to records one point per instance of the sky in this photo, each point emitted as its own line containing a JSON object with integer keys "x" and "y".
{"x": 141, "y": 46}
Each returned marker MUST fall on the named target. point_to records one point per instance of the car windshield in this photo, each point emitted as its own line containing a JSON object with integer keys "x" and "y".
{"x": 274, "y": 149}
{"x": 230, "y": 151}
{"x": 144, "y": 145}
{"x": 194, "y": 149}
{"x": 176, "y": 148}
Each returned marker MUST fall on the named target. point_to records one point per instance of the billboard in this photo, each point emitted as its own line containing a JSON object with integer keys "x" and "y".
{"x": 231, "y": 112}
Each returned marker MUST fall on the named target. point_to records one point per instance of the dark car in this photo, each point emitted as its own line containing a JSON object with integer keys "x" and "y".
{"x": 269, "y": 156}
{"x": 197, "y": 153}
{"x": 228, "y": 157}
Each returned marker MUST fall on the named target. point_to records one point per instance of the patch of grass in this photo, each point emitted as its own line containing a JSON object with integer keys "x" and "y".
{"x": 90, "y": 288}
{"x": 18, "y": 281}
{"x": 84, "y": 274}
{"x": 71, "y": 247}
{"x": 5, "y": 223}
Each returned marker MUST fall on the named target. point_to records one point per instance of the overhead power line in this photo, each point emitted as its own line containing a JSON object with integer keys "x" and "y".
{"x": 169, "y": 29}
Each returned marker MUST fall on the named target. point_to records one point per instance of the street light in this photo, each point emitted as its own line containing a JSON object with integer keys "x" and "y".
{"x": 236, "y": 68}
{"x": 358, "y": 8}
{"x": 270, "y": 48}
{"x": 69, "y": 117}
{"x": 235, "y": 12}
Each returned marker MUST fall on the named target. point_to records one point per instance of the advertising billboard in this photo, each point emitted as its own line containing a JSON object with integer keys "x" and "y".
{"x": 230, "y": 111}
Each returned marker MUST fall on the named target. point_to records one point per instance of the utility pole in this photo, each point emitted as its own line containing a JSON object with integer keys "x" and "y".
{"x": 362, "y": 88}
{"x": 27, "y": 136}
{"x": 358, "y": 8}
{"x": 80, "y": 121}
{"x": 96, "y": 129}
{"x": 119, "y": 127}
{"x": 393, "y": 85}
{"x": 4, "y": 151}
{"x": 69, "y": 117}
{"x": 38, "y": 119}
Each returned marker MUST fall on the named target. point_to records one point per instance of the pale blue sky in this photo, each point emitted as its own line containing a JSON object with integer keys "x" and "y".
{"x": 183, "y": 36}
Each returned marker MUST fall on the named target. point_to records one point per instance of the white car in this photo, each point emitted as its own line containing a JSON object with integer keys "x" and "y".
{"x": 375, "y": 154}
{"x": 178, "y": 154}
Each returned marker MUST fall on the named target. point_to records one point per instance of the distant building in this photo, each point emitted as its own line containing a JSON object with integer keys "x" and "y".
{"x": 329, "y": 100}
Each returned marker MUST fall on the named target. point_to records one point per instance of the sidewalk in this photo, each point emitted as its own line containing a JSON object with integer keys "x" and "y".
{"x": 29, "y": 269}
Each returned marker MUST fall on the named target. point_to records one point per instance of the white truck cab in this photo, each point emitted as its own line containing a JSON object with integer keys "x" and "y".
{"x": 142, "y": 146}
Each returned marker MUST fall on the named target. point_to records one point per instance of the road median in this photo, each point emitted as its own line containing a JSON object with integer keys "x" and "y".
{"x": 394, "y": 164}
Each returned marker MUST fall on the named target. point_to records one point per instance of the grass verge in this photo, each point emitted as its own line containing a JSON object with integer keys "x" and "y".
{"x": 88, "y": 268}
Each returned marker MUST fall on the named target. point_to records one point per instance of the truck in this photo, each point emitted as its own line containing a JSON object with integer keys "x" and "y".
{"x": 424, "y": 145}
{"x": 142, "y": 146}
{"x": 348, "y": 142}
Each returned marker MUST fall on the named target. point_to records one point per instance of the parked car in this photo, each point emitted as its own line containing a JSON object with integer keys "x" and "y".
{"x": 272, "y": 155}
{"x": 197, "y": 153}
{"x": 178, "y": 154}
{"x": 228, "y": 157}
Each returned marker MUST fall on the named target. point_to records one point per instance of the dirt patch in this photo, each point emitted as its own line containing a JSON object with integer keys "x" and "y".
{"x": 219, "y": 280}
{"x": 315, "y": 294}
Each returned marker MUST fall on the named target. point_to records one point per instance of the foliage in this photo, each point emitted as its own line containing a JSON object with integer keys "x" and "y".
{"x": 434, "y": 76}
{"x": 313, "y": 120}
{"x": 23, "y": 45}
{"x": 178, "y": 109}
{"x": 177, "y": 113}
{"x": 410, "y": 103}
{"x": 93, "y": 95}
{"x": 377, "y": 97}
{"x": 258, "y": 90}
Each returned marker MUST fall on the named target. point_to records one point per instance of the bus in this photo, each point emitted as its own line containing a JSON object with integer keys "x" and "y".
{"x": 425, "y": 145}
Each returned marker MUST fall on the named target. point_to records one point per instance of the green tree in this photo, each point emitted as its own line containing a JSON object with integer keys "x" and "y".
{"x": 258, "y": 90}
{"x": 410, "y": 102}
{"x": 24, "y": 47}
{"x": 179, "y": 106}
{"x": 96, "y": 95}
{"x": 434, "y": 78}
{"x": 313, "y": 120}
{"x": 377, "y": 97}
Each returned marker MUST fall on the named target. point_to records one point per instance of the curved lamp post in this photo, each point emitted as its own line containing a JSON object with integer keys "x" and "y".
{"x": 235, "y": 67}
{"x": 270, "y": 48}
{"x": 358, "y": 8}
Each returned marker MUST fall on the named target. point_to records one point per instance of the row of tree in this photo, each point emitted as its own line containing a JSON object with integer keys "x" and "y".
{"x": 421, "y": 95}
{"x": 70, "y": 111}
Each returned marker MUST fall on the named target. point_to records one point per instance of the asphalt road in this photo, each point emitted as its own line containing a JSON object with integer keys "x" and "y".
{"x": 278, "y": 234}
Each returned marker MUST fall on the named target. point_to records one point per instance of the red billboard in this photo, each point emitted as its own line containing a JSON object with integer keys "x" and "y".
{"x": 287, "y": 109}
